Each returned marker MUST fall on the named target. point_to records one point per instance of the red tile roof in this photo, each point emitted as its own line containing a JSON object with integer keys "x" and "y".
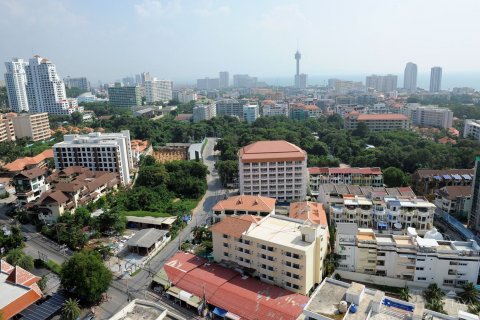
{"x": 233, "y": 226}
{"x": 21, "y": 163}
{"x": 246, "y": 203}
{"x": 308, "y": 211}
{"x": 277, "y": 150}
{"x": 244, "y": 296}
{"x": 180, "y": 264}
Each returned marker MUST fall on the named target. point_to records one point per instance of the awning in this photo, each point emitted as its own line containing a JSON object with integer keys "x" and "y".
{"x": 447, "y": 177}
{"x": 220, "y": 312}
{"x": 437, "y": 177}
{"x": 382, "y": 224}
{"x": 173, "y": 291}
{"x": 466, "y": 177}
{"x": 232, "y": 316}
{"x": 161, "y": 278}
{"x": 184, "y": 295}
{"x": 456, "y": 177}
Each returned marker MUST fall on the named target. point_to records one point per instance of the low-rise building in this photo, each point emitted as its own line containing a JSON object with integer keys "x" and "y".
{"x": 427, "y": 181}
{"x": 231, "y": 107}
{"x": 472, "y": 129}
{"x": 204, "y": 112}
{"x": 30, "y": 184}
{"x": 378, "y": 122}
{"x": 142, "y": 309}
{"x": 357, "y": 176}
{"x": 279, "y": 250}
{"x": 18, "y": 290}
{"x": 243, "y": 205}
{"x": 70, "y": 188}
{"x": 422, "y": 261}
{"x": 271, "y": 108}
{"x": 456, "y": 200}
{"x": 250, "y": 113}
{"x": 32, "y": 125}
{"x": 140, "y": 148}
{"x": 390, "y": 210}
{"x": 27, "y": 163}
{"x": 300, "y": 111}
{"x": 146, "y": 241}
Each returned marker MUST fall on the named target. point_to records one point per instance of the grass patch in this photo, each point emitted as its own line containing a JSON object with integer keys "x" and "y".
{"x": 53, "y": 266}
{"x": 190, "y": 203}
{"x": 146, "y": 214}
{"x": 135, "y": 272}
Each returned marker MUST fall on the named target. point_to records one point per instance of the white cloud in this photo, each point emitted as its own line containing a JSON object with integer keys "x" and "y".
{"x": 152, "y": 8}
{"x": 286, "y": 18}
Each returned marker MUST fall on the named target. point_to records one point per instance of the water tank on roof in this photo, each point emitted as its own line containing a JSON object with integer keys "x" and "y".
{"x": 433, "y": 234}
{"x": 343, "y": 306}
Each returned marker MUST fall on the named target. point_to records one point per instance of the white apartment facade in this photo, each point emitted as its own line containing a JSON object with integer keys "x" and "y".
{"x": 15, "y": 81}
{"x": 98, "y": 152}
{"x": 185, "y": 96}
{"x": 409, "y": 257}
{"x": 7, "y": 131}
{"x": 377, "y": 209}
{"x": 33, "y": 125}
{"x": 272, "y": 109}
{"x": 230, "y": 107}
{"x": 158, "y": 90}
{"x": 378, "y": 122}
{"x": 472, "y": 128}
{"x": 45, "y": 89}
{"x": 283, "y": 251}
{"x": 429, "y": 116}
{"x": 204, "y": 112}
{"x": 30, "y": 185}
{"x": 275, "y": 169}
{"x": 250, "y": 113}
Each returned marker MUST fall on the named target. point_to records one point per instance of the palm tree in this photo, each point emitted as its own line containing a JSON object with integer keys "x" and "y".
{"x": 435, "y": 305}
{"x": 474, "y": 308}
{"x": 433, "y": 292}
{"x": 14, "y": 255}
{"x": 405, "y": 294}
{"x": 71, "y": 309}
{"x": 469, "y": 294}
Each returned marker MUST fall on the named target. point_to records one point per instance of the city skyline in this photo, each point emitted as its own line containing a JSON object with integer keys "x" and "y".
{"x": 172, "y": 58}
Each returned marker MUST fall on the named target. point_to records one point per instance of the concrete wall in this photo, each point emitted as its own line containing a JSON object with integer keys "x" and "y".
{"x": 378, "y": 280}
{"x": 129, "y": 307}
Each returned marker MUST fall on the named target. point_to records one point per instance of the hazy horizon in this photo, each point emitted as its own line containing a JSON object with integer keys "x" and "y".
{"x": 184, "y": 40}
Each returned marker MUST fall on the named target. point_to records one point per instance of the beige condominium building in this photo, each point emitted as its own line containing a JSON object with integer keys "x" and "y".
{"x": 283, "y": 251}
{"x": 7, "y": 132}
{"x": 276, "y": 169}
{"x": 32, "y": 125}
{"x": 378, "y": 122}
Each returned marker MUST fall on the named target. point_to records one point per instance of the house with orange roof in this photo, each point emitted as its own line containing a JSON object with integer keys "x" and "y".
{"x": 18, "y": 290}
{"x": 446, "y": 140}
{"x": 139, "y": 148}
{"x": 244, "y": 205}
{"x": 284, "y": 251}
{"x": 26, "y": 163}
{"x": 308, "y": 211}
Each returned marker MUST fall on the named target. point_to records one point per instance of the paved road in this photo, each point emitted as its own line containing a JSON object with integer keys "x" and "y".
{"x": 138, "y": 285}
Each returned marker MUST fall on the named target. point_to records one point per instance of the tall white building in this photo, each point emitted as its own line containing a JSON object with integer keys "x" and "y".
{"x": 98, "y": 152}
{"x": 410, "y": 77}
{"x": 45, "y": 89}
{"x": 387, "y": 83}
{"x": 15, "y": 80}
{"x": 250, "y": 113}
{"x": 472, "y": 128}
{"x": 158, "y": 90}
{"x": 224, "y": 79}
{"x": 429, "y": 116}
{"x": 276, "y": 169}
{"x": 271, "y": 108}
{"x": 204, "y": 112}
{"x": 435, "y": 79}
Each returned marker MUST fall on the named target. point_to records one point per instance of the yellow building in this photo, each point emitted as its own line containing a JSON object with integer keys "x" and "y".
{"x": 283, "y": 251}
{"x": 6, "y": 129}
{"x": 32, "y": 125}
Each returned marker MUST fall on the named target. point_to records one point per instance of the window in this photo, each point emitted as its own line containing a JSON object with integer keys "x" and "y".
{"x": 225, "y": 254}
{"x": 447, "y": 281}
{"x": 296, "y": 266}
{"x": 225, "y": 236}
{"x": 247, "y": 251}
{"x": 225, "y": 245}
{"x": 421, "y": 278}
{"x": 246, "y": 241}
{"x": 288, "y": 263}
{"x": 381, "y": 254}
{"x": 288, "y": 254}
{"x": 263, "y": 256}
{"x": 270, "y": 278}
{"x": 419, "y": 268}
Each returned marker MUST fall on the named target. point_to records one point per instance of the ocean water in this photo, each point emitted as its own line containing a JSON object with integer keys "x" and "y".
{"x": 449, "y": 80}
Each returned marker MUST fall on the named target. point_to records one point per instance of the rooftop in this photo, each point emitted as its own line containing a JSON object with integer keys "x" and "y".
{"x": 246, "y": 203}
{"x": 21, "y": 163}
{"x": 146, "y": 238}
{"x": 141, "y": 310}
{"x": 233, "y": 226}
{"x": 383, "y": 116}
{"x": 278, "y": 150}
{"x": 308, "y": 211}
{"x": 326, "y": 170}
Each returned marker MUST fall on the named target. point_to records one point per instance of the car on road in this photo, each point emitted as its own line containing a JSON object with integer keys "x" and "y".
{"x": 26, "y": 237}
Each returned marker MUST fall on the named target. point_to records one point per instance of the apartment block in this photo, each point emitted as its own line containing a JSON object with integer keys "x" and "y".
{"x": 125, "y": 96}
{"x": 185, "y": 96}
{"x": 158, "y": 90}
{"x": 7, "y": 131}
{"x": 208, "y": 84}
{"x": 271, "y": 108}
{"x": 378, "y": 122}
{"x": 449, "y": 264}
{"x": 279, "y": 250}
{"x": 357, "y": 176}
{"x": 250, "y": 113}
{"x": 231, "y": 107}
{"x": 96, "y": 151}
{"x": 428, "y": 116}
{"x": 276, "y": 169}
{"x": 204, "y": 112}
{"x": 15, "y": 81}
{"x": 472, "y": 129}
{"x": 390, "y": 210}
{"x": 387, "y": 83}
{"x": 80, "y": 83}
{"x": 243, "y": 205}
{"x": 456, "y": 200}
{"x": 427, "y": 181}
{"x": 34, "y": 126}
{"x": 300, "y": 111}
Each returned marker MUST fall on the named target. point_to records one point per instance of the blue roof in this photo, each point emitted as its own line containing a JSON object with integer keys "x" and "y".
{"x": 446, "y": 176}
{"x": 437, "y": 177}
{"x": 456, "y": 177}
{"x": 466, "y": 177}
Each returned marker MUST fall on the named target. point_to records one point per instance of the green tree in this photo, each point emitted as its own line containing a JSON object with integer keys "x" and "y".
{"x": 85, "y": 275}
{"x": 433, "y": 292}
{"x": 18, "y": 258}
{"x": 42, "y": 283}
{"x": 405, "y": 294}
{"x": 435, "y": 305}
{"x": 394, "y": 177}
{"x": 71, "y": 309}
{"x": 77, "y": 118}
{"x": 228, "y": 171}
{"x": 470, "y": 293}
{"x": 361, "y": 130}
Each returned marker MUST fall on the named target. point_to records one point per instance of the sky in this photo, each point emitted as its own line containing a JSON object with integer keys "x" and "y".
{"x": 183, "y": 40}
